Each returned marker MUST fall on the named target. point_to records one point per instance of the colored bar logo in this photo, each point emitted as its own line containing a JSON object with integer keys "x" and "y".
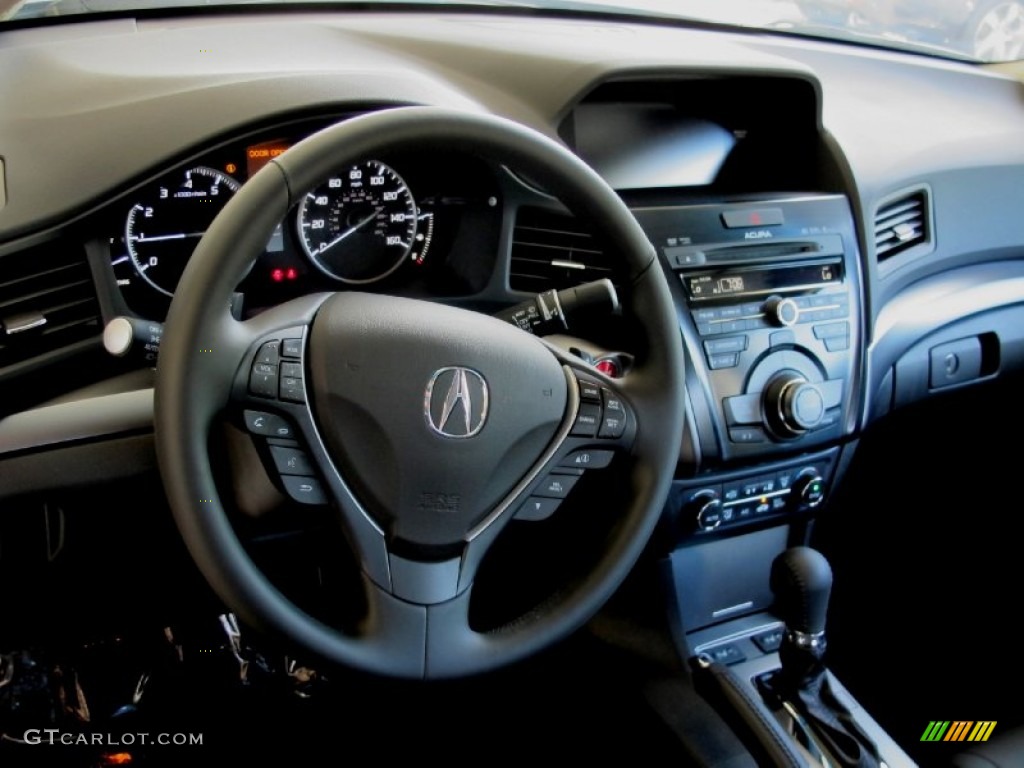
{"x": 958, "y": 730}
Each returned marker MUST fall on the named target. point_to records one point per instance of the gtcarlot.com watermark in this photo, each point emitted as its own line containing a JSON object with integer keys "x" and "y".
{"x": 55, "y": 736}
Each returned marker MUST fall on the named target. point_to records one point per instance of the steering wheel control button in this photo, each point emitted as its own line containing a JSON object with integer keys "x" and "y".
{"x": 268, "y": 353}
{"x": 587, "y": 420}
{"x": 291, "y": 389}
{"x": 267, "y": 424}
{"x": 613, "y": 425}
{"x": 538, "y": 508}
{"x": 557, "y": 486}
{"x": 291, "y": 461}
{"x": 291, "y": 348}
{"x": 305, "y": 490}
{"x": 588, "y": 459}
{"x": 589, "y": 390}
{"x": 263, "y": 380}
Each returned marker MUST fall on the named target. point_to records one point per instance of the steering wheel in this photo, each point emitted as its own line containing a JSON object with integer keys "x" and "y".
{"x": 428, "y": 427}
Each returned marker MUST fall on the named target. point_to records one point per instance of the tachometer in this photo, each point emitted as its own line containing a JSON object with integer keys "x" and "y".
{"x": 163, "y": 229}
{"x": 359, "y": 226}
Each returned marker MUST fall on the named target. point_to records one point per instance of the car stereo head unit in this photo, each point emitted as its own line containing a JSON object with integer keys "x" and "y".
{"x": 771, "y": 295}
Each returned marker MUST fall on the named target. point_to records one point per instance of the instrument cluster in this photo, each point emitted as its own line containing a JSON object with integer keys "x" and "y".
{"x": 403, "y": 224}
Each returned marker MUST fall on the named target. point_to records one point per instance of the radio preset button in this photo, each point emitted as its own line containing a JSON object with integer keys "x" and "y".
{"x": 746, "y": 435}
{"x": 723, "y": 346}
{"x": 720, "y": 362}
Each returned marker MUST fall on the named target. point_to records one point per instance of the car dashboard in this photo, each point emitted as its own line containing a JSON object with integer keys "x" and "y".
{"x": 839, "y": 225}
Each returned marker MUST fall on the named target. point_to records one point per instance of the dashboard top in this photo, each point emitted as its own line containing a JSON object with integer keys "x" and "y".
{"x": 100, "y": 114}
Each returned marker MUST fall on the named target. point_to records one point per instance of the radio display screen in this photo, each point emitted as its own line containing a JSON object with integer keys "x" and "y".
{"x": 753, "y": 282}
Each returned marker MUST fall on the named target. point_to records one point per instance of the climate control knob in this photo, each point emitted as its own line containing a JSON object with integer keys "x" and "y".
{"x": 808, "y": 489}
{"x": 792, "y": 405}
{"x": 706, "y": 508}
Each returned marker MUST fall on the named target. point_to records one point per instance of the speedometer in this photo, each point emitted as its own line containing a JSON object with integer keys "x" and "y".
{"x": 360, "y": 225}
{"x": 163, "y": 228}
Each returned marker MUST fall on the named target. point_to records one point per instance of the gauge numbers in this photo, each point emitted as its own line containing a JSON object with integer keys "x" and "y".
{"x": 361, "y": 225}
{"x": 163, "y": 229}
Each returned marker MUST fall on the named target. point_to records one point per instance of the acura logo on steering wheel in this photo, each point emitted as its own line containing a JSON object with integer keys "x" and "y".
{"x": 456, "y": 402}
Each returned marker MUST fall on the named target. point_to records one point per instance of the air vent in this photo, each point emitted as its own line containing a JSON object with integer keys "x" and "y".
{"x": 47, "y": 302}
{"x": 901, "y": 224}
{"x": 552, "y": 250}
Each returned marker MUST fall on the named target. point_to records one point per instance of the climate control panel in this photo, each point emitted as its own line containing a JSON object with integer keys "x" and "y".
{"x": 725, "y": 501}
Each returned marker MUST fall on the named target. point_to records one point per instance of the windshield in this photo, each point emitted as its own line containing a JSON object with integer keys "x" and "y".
{"x": 978, "y": 30}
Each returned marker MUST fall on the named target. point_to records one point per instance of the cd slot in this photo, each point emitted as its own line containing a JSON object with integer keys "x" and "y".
{"x": 710, "y": 254}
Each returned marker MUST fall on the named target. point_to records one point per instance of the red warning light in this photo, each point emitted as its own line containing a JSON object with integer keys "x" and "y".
{"x": 279, "y": 275}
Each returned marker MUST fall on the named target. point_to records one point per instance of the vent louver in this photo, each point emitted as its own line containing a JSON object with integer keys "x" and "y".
{"x": 552, "y": 250}
{"x": 47, "y": 302}
{"x": 900, "y": 224}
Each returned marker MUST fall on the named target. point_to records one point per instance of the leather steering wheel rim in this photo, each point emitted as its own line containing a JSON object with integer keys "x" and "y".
{"x": 203, "y": 349}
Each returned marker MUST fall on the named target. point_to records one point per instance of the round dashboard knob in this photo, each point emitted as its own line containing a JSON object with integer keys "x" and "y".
{"x": 706, "y": 507}
{"x": 781, "y": 312}
{"x": 809, "y": 489}
{"x": 792, "y": 405}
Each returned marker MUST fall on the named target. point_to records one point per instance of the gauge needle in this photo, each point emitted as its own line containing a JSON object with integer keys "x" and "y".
{"x": 348, "y": 232}
{"x": 176, "y": 236}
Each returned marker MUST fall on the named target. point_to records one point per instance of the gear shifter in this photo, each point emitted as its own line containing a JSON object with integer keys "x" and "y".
{"x": 802, "y": 581}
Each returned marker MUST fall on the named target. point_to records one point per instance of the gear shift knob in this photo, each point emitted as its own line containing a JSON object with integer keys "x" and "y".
{"x": 801, "y": 579}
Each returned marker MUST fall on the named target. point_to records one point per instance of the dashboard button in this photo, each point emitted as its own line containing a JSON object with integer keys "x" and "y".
{"x": 705, "y": 315}
{"x": 743, "y": 409}
{"x": 782, "y": 338}
{"x": 838, "y": 344}
{"x": 746, "y": 435}
{"x": 831, "y": 330}
{"x": 732, "y": 491}
{"x": 759, "y": 217}
{"x": 305, "y": 490}
{"x": 724, "y": 346}
{"x": 587, "y": 420}
{"x": 719, "y": 362}
{"x": 267, "y": 424}
{"x": 769, "y": 641}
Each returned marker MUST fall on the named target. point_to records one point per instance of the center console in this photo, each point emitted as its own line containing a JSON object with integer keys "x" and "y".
{"x": 770, "y": 312}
